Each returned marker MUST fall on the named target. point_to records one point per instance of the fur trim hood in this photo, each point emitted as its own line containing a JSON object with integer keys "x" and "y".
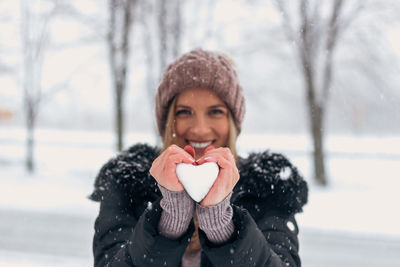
{"x": 262, "y": 176}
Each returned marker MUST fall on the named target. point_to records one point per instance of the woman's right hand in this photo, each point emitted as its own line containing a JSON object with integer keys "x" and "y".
{"x": 163, "y": 168}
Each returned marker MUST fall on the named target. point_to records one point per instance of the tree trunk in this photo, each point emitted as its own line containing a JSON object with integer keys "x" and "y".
{"x": 316, "y": 41}
{"x": 318, "y": 147}
{"x": 316, "y": 117}
{"x": 150, "y": 77}
{"x": 29, "y": 160}
{"x": 118, "y": 39}
{"x": 162, "y": 31}
{"x": 119, "y": 117}
{"x": 176, "y": 30}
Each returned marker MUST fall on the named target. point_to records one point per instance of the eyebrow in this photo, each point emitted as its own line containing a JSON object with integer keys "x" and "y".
{"x": 218, "y": 106}
{"x": 213, "y": 106}
{"x": 182, "y": 106}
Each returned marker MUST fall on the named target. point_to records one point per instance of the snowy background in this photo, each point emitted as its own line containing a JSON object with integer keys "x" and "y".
{"x": 46, "y": 218}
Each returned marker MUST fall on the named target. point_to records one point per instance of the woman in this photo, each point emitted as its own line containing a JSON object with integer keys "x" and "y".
{"x": 146, "y": 216}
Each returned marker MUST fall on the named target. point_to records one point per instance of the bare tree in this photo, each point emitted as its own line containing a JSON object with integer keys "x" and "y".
{"x": 36, "y": 19}
{"x": 35, "y": 38}
{"x": 176, "y": 28}
{"x": 169, "y": 20}
{"x": 162, "y": 30}
{"x": 146, "y": 15}
{"x": 315, "y": 38}
{"x": 118, "y": 40}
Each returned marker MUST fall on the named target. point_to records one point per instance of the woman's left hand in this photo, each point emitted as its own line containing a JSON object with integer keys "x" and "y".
{"x": 227, "y": 178}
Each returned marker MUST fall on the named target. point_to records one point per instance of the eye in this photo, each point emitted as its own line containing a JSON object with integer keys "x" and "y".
{"x": 183, "y": 112}
{"x": 217, "y": 111}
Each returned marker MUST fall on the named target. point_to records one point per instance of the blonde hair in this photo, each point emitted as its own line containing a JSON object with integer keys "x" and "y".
{"x": 169, "y": 136}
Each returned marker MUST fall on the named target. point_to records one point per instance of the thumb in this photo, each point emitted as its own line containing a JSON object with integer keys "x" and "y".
{"x": 189, "y": 149}
{"x": 210, "y": 147}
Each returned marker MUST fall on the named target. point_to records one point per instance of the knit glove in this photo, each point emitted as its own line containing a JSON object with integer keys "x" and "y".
{"x": 177, "y": 213}
{"x": 216, "y": 221}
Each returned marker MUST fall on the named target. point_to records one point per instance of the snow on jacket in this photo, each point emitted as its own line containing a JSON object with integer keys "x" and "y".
{"x": 269, "y": 193}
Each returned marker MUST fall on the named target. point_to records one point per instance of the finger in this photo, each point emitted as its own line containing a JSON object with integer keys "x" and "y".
{"x": 189, "y": 149}
{"x": 181, "y": 158}
{"x": 227, "y": 153}
{"x": 212, "y": 155}
{"x": 215, "y": 154}
{"x": 155, "y": 165}
{"x": 217, "y": 158}
{"x": 224, "y": 151}
{"x": 176, "y": 150}
{"x": 209, "y": 148}
{"x": 205, "y": 159}
{"x": 173, "y": 149}
{"x": 224, "y": 163}
{"x": 187, "y": 160}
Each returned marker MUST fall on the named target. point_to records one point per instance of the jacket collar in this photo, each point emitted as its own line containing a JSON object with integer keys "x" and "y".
{"x": 263, "y": 176}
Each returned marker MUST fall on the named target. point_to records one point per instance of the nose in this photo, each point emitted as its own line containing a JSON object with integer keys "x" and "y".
{"x": 201, "y": 127}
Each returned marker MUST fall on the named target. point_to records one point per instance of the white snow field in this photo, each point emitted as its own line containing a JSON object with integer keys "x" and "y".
{"x": 47, "y": 220}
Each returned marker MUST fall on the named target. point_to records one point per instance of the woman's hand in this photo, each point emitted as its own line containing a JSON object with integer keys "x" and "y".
{"x": 227, "y": 178}
{"x": 163, "y": 168}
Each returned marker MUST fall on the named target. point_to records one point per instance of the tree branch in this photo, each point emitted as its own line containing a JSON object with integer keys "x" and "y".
{"x": 287, "y": 26}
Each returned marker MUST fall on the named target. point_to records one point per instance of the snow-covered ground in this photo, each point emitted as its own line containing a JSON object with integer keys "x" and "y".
{"x": 362, "y": 196}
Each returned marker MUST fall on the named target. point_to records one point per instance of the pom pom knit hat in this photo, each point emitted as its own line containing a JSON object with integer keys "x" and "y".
{"x": 200, "y": 69}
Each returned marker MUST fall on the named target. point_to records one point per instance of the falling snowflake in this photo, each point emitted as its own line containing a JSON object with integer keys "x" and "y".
{"x": 285, "y": 173}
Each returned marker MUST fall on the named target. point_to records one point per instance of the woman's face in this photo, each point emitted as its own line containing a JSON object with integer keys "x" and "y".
{"x": 201, "y": 119}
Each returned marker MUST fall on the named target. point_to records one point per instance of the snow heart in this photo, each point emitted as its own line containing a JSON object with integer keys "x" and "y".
{"x": 197, "y": 179}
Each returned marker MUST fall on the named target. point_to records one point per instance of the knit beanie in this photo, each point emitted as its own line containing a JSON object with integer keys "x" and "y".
{"x": 200, "y": 69}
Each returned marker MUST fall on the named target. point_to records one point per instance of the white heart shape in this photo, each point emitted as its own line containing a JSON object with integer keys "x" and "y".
{"x": 197, "y": 179}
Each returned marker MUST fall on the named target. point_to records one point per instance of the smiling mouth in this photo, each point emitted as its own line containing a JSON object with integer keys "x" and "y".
{"x": 200, "y": 145}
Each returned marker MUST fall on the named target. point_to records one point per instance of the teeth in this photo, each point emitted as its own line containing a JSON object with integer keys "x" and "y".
{"x": 200, "y": 145}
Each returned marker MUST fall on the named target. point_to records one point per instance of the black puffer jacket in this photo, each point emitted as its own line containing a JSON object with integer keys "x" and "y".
{"x": 270, "y": 191}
